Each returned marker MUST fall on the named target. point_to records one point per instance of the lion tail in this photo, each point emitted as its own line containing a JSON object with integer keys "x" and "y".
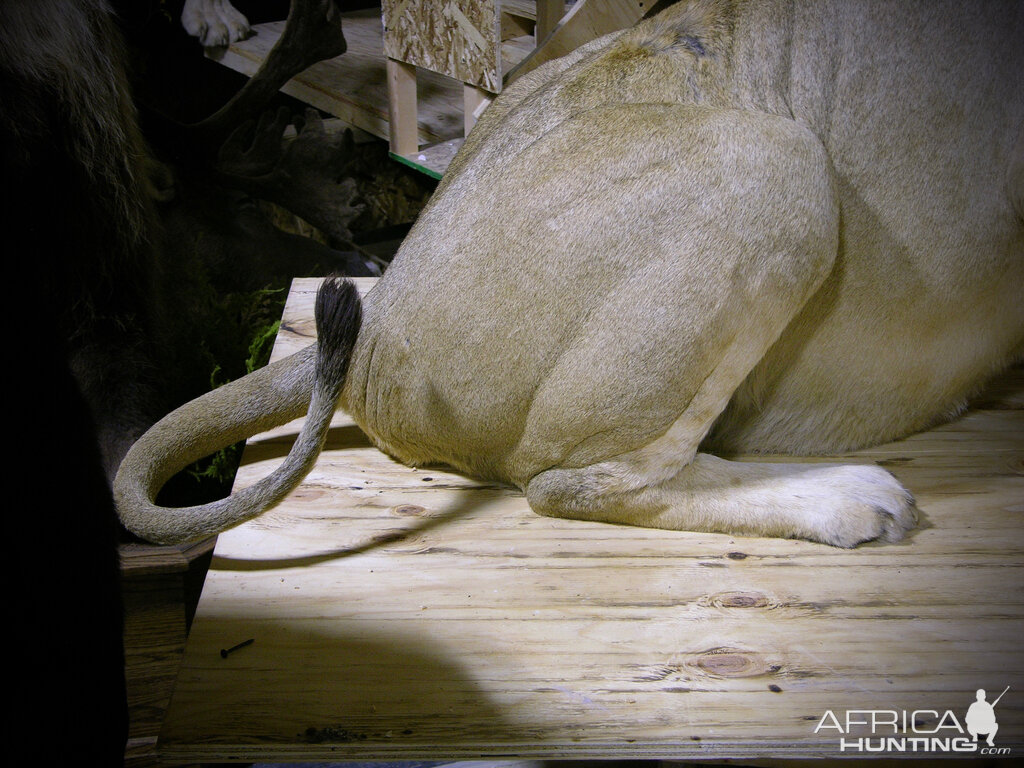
{"x": 309, "y": 381}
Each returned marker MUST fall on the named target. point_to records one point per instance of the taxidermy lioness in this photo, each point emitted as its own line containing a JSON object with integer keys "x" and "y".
{"x": 776, "y": 226}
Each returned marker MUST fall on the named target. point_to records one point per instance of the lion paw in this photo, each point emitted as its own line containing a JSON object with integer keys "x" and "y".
{"x": 865, "y": 503}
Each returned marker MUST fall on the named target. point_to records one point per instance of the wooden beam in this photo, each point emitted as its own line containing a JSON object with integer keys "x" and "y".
{"x": 526, "y": 9}
{"x": 475, "y": 101}
{"x": 515, "y": 25}
{"x": 549, "y": 14}
{"x": 402, "y": 107}
{"x": 588, "y": 20}
{"x": 354, "y": 86}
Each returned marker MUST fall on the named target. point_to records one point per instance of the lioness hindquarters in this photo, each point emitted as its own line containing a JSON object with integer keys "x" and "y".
{"x": 754, "y": 231}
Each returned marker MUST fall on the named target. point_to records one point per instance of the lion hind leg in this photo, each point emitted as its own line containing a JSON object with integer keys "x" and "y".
{"x": 751, "y": 231}
{"x": 841, "y": 505}
{"x": 668, "y": 484}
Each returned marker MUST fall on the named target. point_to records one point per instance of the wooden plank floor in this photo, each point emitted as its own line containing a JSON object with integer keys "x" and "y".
{"x": 402, "y": 613}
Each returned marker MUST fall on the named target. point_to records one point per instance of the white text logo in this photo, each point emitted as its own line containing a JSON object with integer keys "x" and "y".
{"x": 920, "y": 730}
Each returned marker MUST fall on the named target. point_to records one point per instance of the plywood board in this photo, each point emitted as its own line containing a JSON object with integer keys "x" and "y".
{"x": 402, "y": 613}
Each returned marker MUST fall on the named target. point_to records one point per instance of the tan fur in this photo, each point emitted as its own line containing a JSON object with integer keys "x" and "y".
{"x": 771, "y": 227}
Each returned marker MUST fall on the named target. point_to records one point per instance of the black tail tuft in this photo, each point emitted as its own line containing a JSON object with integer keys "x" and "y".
{"x": 338, "y": 317}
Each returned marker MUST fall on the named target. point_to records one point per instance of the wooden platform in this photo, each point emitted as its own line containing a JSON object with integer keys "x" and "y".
{"x": 353, "y": 86}
{"x": 401, "y": 613}
{"x": 158, "y": 587}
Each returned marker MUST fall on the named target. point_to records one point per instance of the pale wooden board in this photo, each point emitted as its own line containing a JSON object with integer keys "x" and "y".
{"x": 526, "y": 9}
{"x": 401, "y": 613}
{"x": 433, "y": 160}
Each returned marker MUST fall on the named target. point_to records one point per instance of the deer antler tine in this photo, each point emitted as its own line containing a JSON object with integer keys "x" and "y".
{"x": 312, "y": 33}
{"x": 306, "y": 176}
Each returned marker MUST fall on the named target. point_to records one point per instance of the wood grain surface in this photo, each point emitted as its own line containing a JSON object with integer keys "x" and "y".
{"x": 417, "y": 613}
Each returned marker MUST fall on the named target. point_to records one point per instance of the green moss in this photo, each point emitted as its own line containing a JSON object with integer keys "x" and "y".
{"x": 261, "y": 346}
{"x": 233, "y": 336}
{"x": 258, "y": 316}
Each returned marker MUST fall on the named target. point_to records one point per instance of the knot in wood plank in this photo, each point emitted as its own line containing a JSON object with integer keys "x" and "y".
{"x": 737, "y": 600}
{"x": 409, "y": 510}
{"x": 731, "y": 662}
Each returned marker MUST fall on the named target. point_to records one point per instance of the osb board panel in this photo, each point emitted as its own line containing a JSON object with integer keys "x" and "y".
{"x": 457, "y": 38}
{"x": 401, "y": 613}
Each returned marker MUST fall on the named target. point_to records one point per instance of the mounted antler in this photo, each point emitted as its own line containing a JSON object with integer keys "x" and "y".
{"x": 311, "y": 34}
{"x": 304, "y": 175}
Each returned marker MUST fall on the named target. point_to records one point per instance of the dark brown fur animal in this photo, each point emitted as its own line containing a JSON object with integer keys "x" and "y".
{"x": 76, "y": 210}
{"x": 116, "y": 241}
{"x": 75, "y": 177}
{"x": 84, "y": 237}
